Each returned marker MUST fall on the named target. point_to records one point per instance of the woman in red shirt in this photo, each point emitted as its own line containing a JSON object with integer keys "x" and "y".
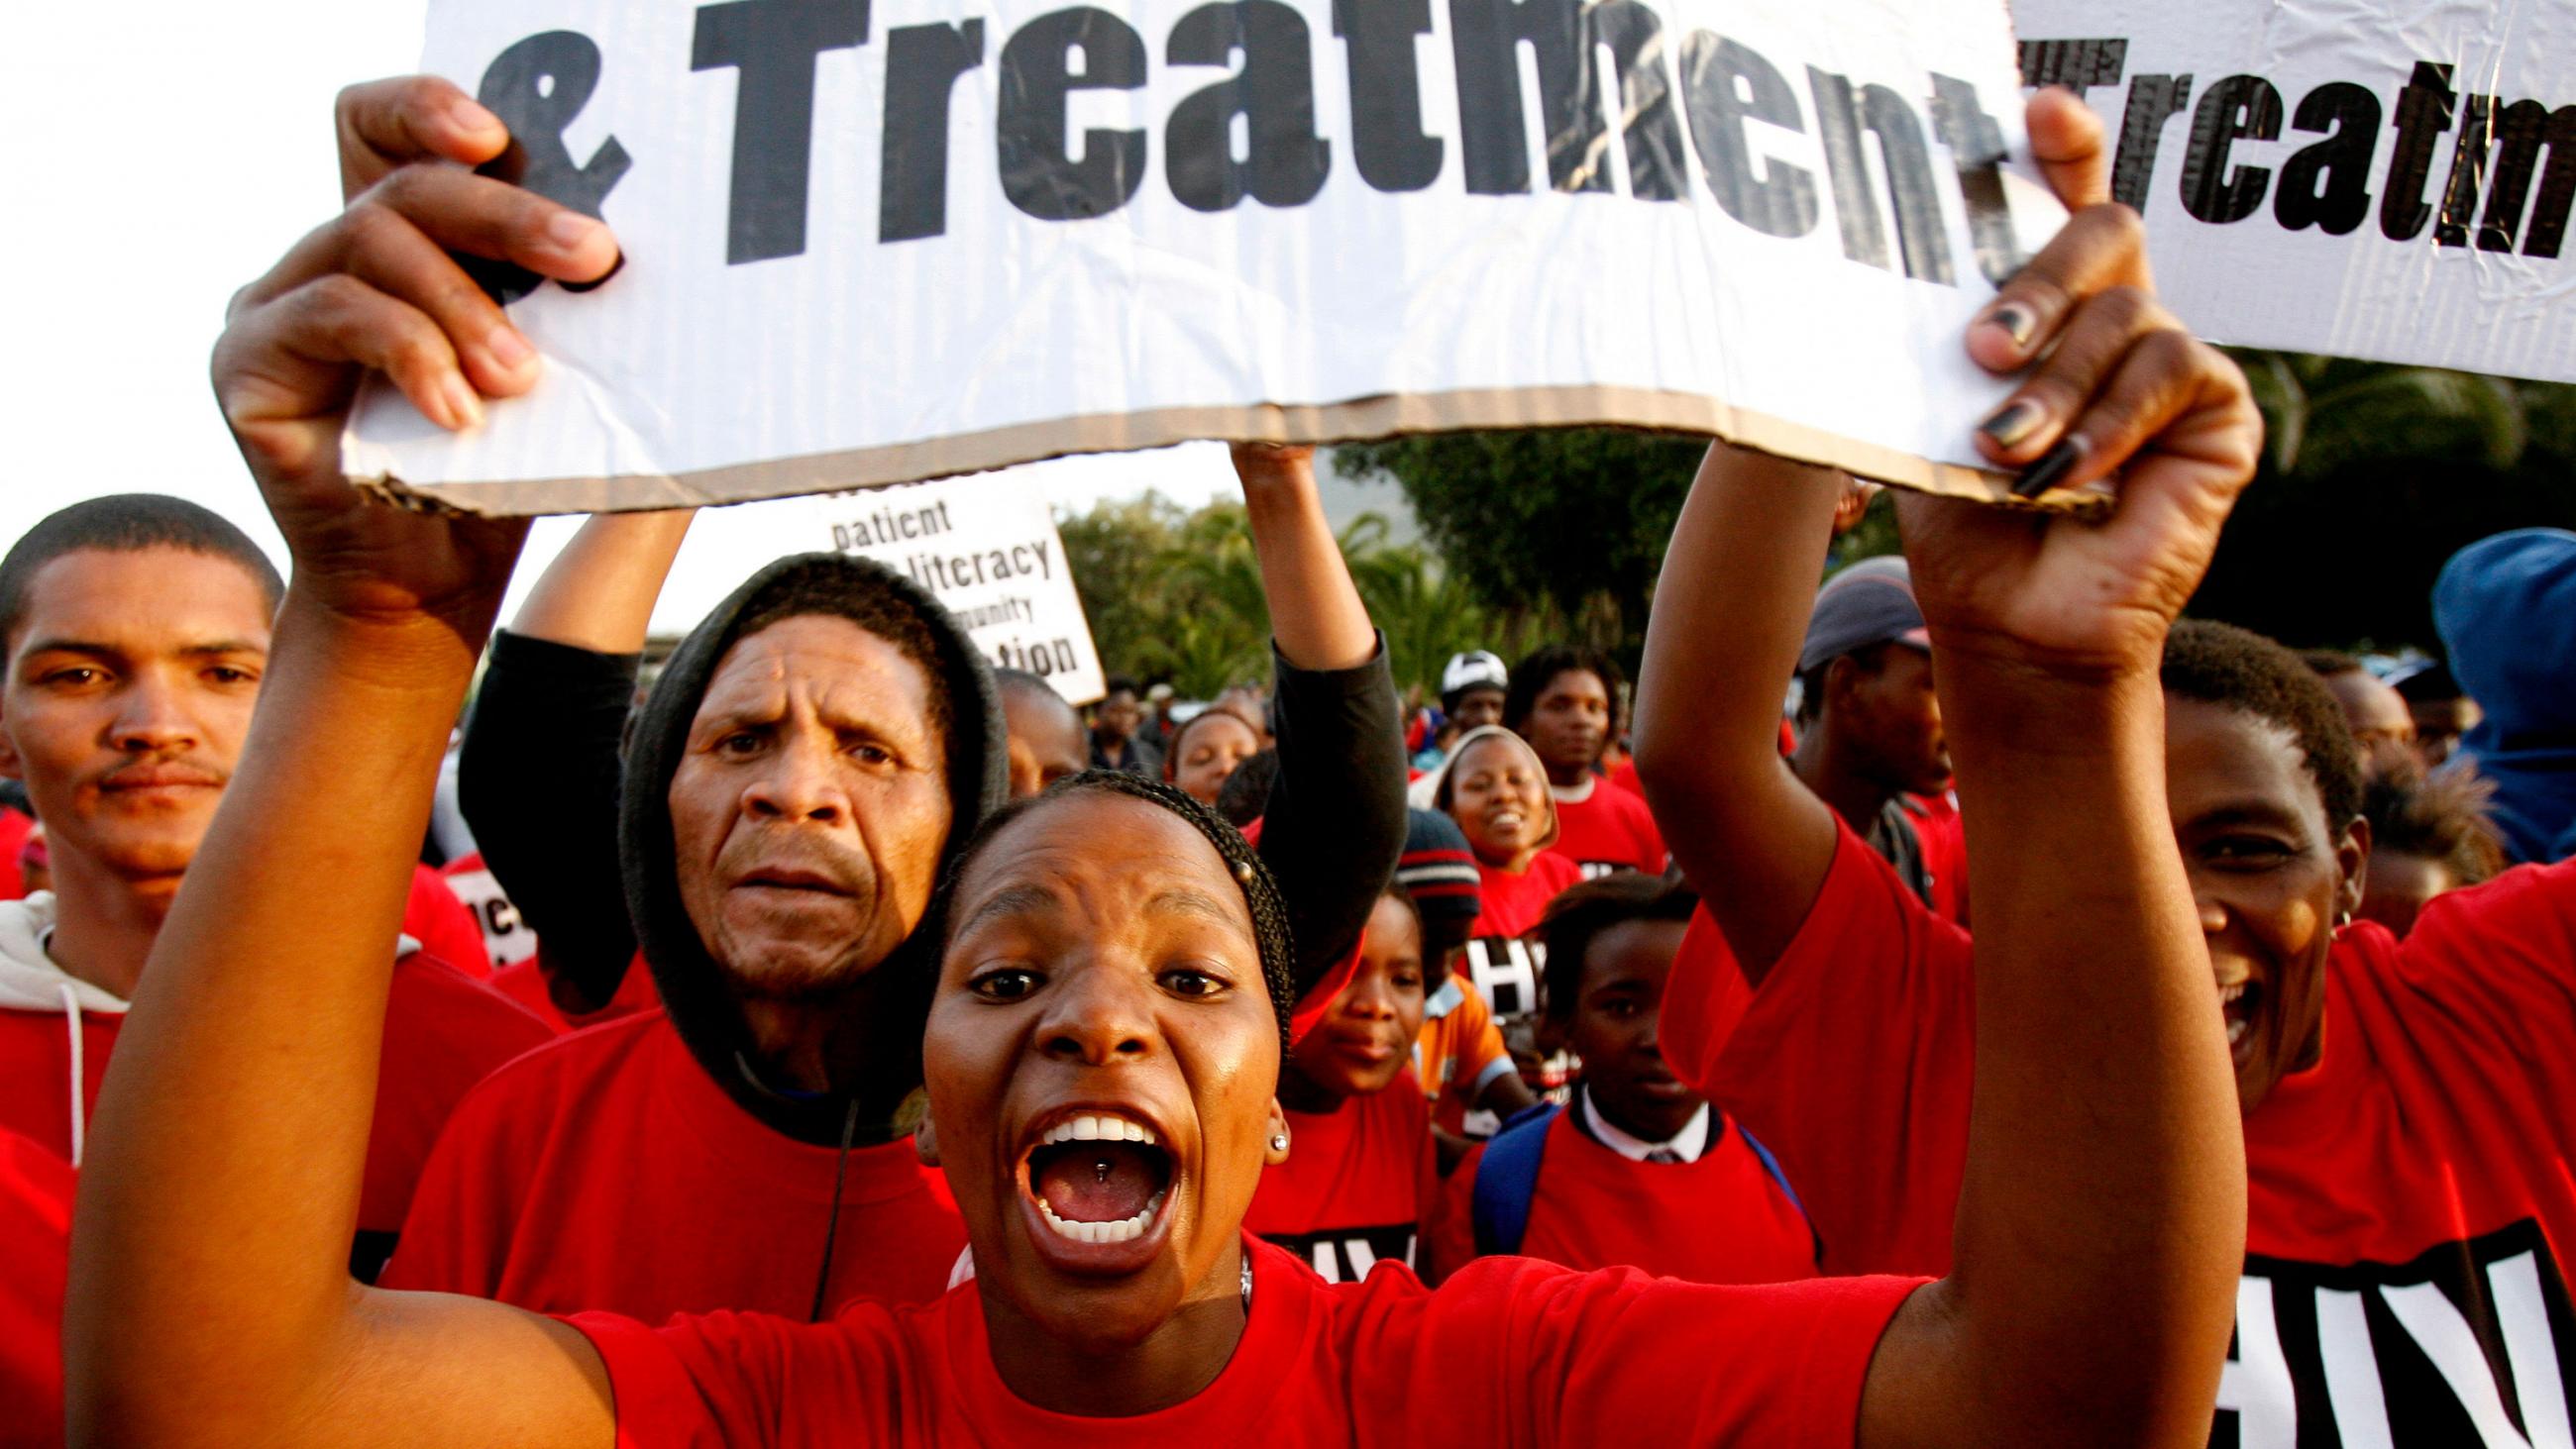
{"x": 1495, "y": 787}
{"x": 1107, "y": 1023}
{"x": 1360, "y": 1176}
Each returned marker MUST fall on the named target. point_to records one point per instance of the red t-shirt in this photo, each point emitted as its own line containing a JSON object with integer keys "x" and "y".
{"x": 1944, "y": 839}
{"x": 525, "y": 982}
{"x": 2412, "y": 1206}
{"x": 1513, "y": 904}
{"x": 1608, "y": 829}
{"x": 15, "y": 826}
{"x": 442, "y": 925}
{"x": 443, "y": 1033}
{"x": 1358, "y": 1186}
{"x": 1502, "y": 958}
{"x": 35, "y": 1251}
{"x": 1509, "y": 1352}
{"x": 1720, "y": 1218}
{"x": 607, "y": 1172}
{"x": 1625, "y": 777}
{"x": 506, "y": 938}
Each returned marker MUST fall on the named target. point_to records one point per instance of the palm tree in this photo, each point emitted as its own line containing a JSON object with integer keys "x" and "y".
{"x": 2373, "y": 474}
{"x": 1426, "y": 614}
{"x": 2322, "y": 413}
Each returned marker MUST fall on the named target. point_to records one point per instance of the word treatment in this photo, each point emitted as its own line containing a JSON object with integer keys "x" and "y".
{"x": 1728, "y": 92}
{"x": 2399, "y": 190}
{"x": 943, "y": 236}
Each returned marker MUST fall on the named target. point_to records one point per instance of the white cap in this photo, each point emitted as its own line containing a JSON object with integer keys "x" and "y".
{"x": 1475, "y": 669}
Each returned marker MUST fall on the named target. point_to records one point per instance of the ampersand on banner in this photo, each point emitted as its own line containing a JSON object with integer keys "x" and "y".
{"x": 537, "y": 87}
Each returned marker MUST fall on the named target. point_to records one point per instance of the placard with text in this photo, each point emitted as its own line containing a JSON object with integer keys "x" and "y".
{"x": 873, "y": 241}
{"x": 2389, "y": 181}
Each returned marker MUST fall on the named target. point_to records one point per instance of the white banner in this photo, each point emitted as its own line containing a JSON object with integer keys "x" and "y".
{"x": 2389, "y": 180}
{"x": 870, "y": 241}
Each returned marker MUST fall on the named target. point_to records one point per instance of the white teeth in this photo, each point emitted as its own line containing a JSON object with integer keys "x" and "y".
{"x": 1123, "y": 1230}
{"x": 2227, "y": 994}
{"x": 2236, "y": 1031}
{"x": 1100, "y": 1129}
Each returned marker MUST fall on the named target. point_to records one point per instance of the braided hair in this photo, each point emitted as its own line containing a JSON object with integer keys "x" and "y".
{"x": 1260, "y": 893}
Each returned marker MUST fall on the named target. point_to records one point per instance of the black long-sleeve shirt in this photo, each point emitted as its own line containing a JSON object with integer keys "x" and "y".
{"x": 1334, "y": 825}
{"x": 538, "y": 781}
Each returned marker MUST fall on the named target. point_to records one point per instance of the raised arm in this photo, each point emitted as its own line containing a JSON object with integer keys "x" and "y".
{"x": 599, "y": 593}
{"x": 1335, "y": 822}
{"x": 1721, "y": 645}
{"x": 210, "y": 1302}
{"x": 2102, "y": 1218}
{"x": 539, "y": 780}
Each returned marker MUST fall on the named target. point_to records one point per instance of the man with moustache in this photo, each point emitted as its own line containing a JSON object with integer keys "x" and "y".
{"x": 136, "y": 630}
{"x": 789, "y": 795}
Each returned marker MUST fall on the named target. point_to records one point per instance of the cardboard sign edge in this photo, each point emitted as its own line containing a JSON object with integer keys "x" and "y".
{"x": 1364, "y": 419}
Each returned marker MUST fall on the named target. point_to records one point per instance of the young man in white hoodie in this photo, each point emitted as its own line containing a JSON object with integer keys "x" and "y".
{"x": 135, "y": 629}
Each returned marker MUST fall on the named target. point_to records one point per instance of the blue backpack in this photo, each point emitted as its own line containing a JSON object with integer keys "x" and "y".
{"x": 1507, "y": 1178}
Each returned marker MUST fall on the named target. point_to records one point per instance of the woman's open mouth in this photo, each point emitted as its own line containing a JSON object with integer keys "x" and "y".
{"x": 1098, "y": 1180}
{"x": 2240, "y": 1004}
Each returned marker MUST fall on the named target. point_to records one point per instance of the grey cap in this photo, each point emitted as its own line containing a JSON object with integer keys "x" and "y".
{"x": 1872, "y": 602}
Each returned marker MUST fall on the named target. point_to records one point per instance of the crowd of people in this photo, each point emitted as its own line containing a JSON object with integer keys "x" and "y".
{"x": 841, "y": 1041}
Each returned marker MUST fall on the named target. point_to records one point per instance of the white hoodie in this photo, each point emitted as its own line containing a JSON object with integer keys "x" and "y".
{"x": 30, "y": 981}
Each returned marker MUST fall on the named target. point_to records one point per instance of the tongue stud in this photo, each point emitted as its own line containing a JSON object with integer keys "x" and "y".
{"x": 1100, "y": 1171}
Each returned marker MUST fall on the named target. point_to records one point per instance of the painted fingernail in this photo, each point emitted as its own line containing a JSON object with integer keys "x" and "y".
{"x": 2012, "y": 422}
{"x": 571, "y": 230}
{"x": 2018, "y": 322}
{"x": 602, "y": 279}
{"x": 2054, "y": 464}
{"x": 464, "y": 404}
{"x": 508, "y": 350}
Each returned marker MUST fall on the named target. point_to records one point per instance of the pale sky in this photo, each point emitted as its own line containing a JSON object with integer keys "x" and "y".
{"x": 164, "y": 154}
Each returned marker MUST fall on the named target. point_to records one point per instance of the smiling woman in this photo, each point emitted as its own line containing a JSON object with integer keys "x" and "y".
{"x": 1494, "y": 785}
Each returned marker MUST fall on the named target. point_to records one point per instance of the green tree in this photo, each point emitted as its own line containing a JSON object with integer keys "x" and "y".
{"x": 1171, "y": 593}
{"x": 1426, "y": 613}
{"x": 1214, "y": 626}
{"x": 1554, "y": 530}
{"x": 2373, "y": 475}
{"x": 1114, "y": 552}
{"x": 1175, "y": 594}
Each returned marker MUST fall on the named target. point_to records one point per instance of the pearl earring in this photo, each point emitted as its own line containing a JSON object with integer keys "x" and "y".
{"x": 1278, "y": 1141}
